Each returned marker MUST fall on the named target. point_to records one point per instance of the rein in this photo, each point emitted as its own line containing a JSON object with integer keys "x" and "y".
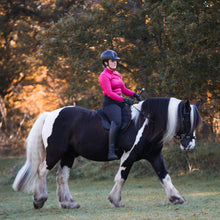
{"x": 140, "y": 112}
{"x": 184, "y": 132}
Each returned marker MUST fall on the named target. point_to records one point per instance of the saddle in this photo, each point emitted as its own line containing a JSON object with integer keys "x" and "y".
{"x": 126, "y": 118}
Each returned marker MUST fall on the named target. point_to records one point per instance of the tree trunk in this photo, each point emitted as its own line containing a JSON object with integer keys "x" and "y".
{"x": 3, "y": 113}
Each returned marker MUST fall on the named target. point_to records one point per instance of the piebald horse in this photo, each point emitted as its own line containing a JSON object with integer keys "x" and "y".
{"x": 66, "y": 133}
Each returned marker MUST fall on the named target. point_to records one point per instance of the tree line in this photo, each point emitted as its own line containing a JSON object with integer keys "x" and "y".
{"x": 168, "y": 47}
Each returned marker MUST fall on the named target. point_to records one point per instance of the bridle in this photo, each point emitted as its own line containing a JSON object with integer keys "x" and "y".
{"x": 185, "y": 136}
{"x": 184, "y": 132}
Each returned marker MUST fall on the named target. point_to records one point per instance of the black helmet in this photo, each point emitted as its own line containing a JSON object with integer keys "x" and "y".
{"x": 109, "y": 55}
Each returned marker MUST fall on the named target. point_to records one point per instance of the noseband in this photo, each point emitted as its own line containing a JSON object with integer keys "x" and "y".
{"x": 186, "y": 137}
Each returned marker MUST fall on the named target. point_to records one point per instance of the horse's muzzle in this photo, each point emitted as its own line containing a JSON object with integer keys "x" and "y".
{"x": 187, "y": 143}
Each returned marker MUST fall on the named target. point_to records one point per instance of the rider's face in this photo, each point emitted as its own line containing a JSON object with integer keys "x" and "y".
{"x": 112, "y": 64}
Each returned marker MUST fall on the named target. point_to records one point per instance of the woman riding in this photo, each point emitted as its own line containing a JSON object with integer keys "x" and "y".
{"x": 113, "y": 87}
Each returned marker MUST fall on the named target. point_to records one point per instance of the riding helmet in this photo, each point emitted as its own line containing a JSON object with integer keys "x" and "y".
{"x": 109, "y": 55}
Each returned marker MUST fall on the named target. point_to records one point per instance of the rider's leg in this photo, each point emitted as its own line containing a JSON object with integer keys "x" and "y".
{"x": 113, "y": 112}
{"x": 113, "y": 134}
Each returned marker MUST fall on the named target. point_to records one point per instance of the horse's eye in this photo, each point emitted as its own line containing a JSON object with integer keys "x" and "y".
{"x": 187, "y": 137}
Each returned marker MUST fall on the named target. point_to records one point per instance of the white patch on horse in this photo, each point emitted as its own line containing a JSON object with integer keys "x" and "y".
{"x": 172, "y": 119}
{"x": 172, "y": 193}
{"x": 40, "y": 192}
{"x": 63, "y": 193}
{"x": 115, "y": 194}
{"x": 126, "y": 154}
{"x": 192, "y": 115}
{"x": 135, "y": 111}
{"x": 191, "y": 144}
{"x": 48, "y": 125}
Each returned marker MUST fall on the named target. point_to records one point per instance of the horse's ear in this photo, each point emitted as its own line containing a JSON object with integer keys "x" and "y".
{"x": 197, "y": 104}
{"x": 187, "y": 106}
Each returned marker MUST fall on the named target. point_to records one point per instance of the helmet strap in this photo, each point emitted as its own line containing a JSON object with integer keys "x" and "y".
{"x": 109, "y": 66}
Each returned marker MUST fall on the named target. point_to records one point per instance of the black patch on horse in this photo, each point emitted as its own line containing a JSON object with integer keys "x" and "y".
{"x": 156, "y": 111}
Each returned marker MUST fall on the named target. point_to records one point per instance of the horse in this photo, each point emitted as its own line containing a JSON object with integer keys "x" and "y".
{"x": 72, "y": 131}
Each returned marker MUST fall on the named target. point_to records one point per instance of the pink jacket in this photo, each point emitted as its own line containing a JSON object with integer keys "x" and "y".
{"x": 113, "y": 86}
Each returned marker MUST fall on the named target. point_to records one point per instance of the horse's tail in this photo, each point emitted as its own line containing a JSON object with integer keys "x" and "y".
{"x": 28, "y": 174}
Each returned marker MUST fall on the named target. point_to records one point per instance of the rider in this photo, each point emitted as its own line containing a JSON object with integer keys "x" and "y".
{"x": 113, "y": 88}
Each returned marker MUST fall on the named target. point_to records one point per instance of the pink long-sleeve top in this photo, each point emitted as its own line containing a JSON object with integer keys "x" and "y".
{"x": 112, "y": 85}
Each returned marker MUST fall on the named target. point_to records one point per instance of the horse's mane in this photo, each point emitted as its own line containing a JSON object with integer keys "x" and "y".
{"x": 173, "y": 115}
{"x": 196, "y": 120}
{"x": 164, "y": 116}
{"x": 161, "y": 114}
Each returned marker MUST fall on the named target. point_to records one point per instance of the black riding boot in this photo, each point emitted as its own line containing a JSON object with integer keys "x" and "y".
{"x": 113, "y": 133}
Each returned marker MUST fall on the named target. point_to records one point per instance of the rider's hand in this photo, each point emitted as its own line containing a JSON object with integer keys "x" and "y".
{"x": 137, "y": 96}
{"x": 128, "y": 101}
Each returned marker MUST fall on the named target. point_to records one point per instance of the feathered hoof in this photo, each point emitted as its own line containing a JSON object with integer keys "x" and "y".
{"x": 69, "y": 205}
{"x": 177, "y": 200}
{"x": 40, "y": 203}
{"x": 116, "y": 204}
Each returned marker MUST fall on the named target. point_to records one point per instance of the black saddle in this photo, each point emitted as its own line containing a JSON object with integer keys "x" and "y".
{"x": 126, "y": 118}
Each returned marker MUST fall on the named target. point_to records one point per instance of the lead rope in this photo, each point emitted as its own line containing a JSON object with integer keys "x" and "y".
{"x": 185, "y": 154}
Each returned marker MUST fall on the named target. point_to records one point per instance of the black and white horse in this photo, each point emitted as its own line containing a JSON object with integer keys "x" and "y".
{"x": 69, "y": 132}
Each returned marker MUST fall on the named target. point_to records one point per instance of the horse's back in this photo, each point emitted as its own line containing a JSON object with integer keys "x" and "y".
{"x": 77, "y": 130}
{"x": 62, "y": 120}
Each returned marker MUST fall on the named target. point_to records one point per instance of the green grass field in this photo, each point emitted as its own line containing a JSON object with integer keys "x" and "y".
{"x": 143, "y": 196}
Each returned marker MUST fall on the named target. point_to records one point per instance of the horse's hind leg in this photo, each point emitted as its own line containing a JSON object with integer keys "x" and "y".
{"x": 40, "y": 191}
{"x": 65, "y": 199}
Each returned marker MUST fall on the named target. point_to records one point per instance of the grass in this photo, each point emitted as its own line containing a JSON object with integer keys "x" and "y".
{"x": 143, "y": 196}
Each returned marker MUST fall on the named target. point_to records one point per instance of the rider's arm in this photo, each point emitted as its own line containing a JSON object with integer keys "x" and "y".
{"x": 126, "y": 91}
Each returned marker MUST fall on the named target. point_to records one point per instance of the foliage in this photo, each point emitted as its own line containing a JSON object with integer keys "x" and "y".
{"x": 169, "y": 47}
{"x": 25, "y": 87}
{"x": 20, "y": 23}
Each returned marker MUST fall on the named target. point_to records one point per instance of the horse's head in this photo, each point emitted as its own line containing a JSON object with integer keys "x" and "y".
{"x": 190, "y": 120}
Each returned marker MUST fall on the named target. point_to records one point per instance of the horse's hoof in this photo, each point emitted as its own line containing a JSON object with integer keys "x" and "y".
{"x": 69, "y": 205}
{"x": 116, "y": 204}
{"x": 40, "y": 203}
{"x": 177, "y": 200}
{"x": 120, "y": 204}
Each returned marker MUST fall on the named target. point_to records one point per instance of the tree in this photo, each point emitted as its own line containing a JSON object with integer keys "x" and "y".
{"x": 188, "y": 53}
{"x": 74, "y": 44}
{"x": 169, "y": 47}
{"x": 20, "y": 23}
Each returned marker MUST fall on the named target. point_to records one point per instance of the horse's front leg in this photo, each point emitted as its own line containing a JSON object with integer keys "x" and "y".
{"x": 127, "y": 161}
{"x": 172, "y": 193}
{"x": 65, "y": 199}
